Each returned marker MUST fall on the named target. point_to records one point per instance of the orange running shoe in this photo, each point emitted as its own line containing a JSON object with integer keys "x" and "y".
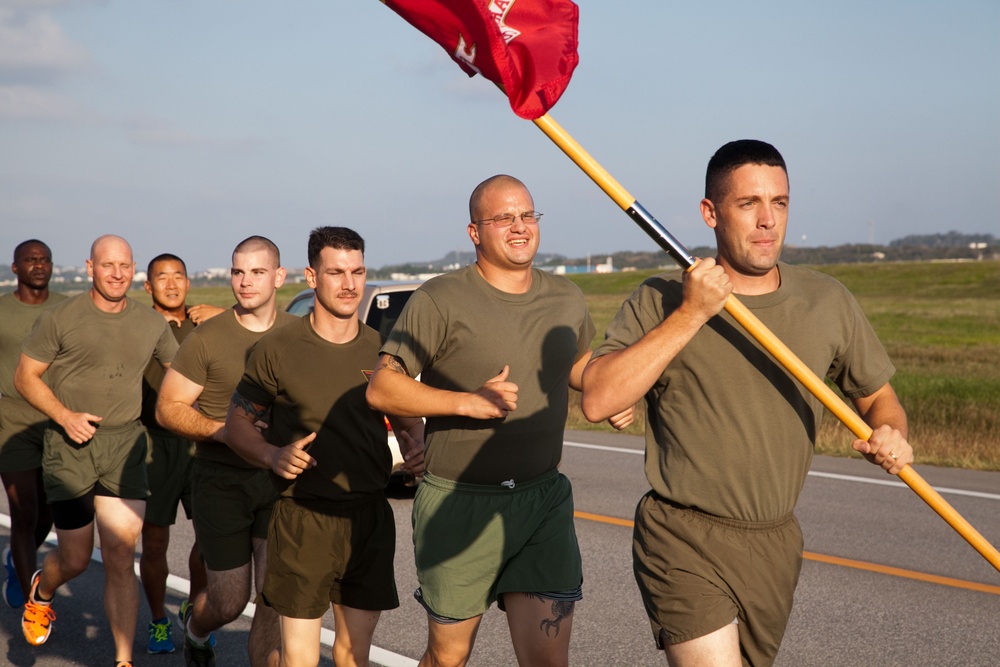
{"x": 37, "y": 619}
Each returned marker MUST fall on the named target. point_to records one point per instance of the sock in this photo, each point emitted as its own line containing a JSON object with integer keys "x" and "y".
{"x": 37, "y": 598}
{"x": 200, "y": 641}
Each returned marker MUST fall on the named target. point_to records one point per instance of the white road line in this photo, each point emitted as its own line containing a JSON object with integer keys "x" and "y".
{"x": 815, "y": 473}
{"x": 943, "y": 490}
{"x": 377, "y": 655}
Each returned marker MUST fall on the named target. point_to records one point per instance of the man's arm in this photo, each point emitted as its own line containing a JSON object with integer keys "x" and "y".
{"x": 410, "y": 436}
{"x": 28, "y": 380}
{"x": 175, "y": 409}
{"x": 619, "y": 379}
{"x": 203, "y": 311}
{"x": 619, "y": 421}
{"x": 887, "y": 447}
{"x": 392, "y": 391}
{"x": 244, "y": 438}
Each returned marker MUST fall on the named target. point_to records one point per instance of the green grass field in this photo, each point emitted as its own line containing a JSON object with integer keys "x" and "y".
{"x": 940, "y": 323}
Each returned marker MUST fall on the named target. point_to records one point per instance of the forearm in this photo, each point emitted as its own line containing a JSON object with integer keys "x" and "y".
{"x": 40, "y": 396}
{"x": 188, "y": 422}
{"x": 398, "y": 394}
{"x": 616, "y": 381}
{"x": 883, "y": 409}
{"x": 246, "y": 440}
{"x": 413, "y": 426}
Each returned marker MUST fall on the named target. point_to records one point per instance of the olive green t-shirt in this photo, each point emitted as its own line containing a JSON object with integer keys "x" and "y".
{"x": 729, "y": 431}
{"x": 213, "y": 356}
{"x": 457, "y": 331}
{"x": 16, "y": 322}
{"x": 97, "y": 358}
{"x": 153, "y": 376}
{"x": 313, "y": 385}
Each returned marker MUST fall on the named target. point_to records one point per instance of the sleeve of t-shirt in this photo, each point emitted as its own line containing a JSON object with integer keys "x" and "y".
{"x": 191, "y": 359}
{"x": 864, "y": 366}
{"x": 643, "y": 310}
{"x": 258, "y": 384}
{"x": 166, "y": 346}
{"x": 624, "y": 329}
{"x": 42, "y": 344}
{"x": 418, "y": 333}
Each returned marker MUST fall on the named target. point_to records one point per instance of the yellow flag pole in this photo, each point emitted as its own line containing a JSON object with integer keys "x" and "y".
{"x": 761, "y": 333}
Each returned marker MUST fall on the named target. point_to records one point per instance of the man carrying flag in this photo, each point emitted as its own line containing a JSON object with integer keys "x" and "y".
{"x": 729, "y": 437}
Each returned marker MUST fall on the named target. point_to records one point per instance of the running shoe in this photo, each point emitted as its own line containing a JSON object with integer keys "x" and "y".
{"x": 187, "y": 608}
{"x": 198, "y": 655}
{"x": 12, "y": 593}
{"x": 123, "y": 663}
{"x": 36, "y": 622}
{"x": 160, "y": 640}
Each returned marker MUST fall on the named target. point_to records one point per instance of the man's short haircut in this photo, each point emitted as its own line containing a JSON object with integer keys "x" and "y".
{"x": 255, "y": 243}
{"x": 480, "y": 190}
{"x": 734, "y": 155}
{"x": 338, "y": 238}
{"x": 165, "y": 257}
{"x": 24, "y": 244}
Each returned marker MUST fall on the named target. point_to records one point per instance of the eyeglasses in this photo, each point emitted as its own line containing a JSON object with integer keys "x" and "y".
{"x": 507, "y": 219}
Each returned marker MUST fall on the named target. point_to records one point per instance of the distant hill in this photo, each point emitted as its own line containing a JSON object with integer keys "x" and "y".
{"x": 948, "y": 246}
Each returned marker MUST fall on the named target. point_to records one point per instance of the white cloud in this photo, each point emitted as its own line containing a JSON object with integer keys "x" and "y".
{"x": 33, "y": 43}
{"x": 29, "y": 103}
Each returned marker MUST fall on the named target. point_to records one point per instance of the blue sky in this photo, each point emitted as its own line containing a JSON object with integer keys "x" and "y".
{"x": 186, "y": 126}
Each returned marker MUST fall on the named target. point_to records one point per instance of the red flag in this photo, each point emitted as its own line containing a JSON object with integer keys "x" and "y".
{"x": 526, "y": 46}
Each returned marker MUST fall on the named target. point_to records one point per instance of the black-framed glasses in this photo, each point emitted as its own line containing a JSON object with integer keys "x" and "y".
{"x": 507, "y": 219}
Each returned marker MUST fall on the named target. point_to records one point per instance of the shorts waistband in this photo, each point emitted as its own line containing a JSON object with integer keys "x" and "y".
{"x": 505, "y": 487}
{"x": 750, "y": 526}
{"x": 127, "y": 427}
{"x": 333, "y": 507}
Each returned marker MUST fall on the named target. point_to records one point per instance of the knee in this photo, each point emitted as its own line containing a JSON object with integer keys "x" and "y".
{"x": 304, "y": 656}
{"x": 155, "y": 542}
{"x": 72, "y": 565}
{"x": 445, "y": 656}
{"x": 228, "y": 607}
{"x": 118, "y": 556}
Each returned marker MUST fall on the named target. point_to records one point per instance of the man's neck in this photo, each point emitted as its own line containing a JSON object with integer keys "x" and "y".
{"x": 31, "y": 295}
{"x": 512, "y": 281}
{"x": 258, "y": 319}
{"x": 754, "y": 285}
{"x": 178, "y": 314}
{"x": 334, "y": 329}
{"x": 106, "y": 305}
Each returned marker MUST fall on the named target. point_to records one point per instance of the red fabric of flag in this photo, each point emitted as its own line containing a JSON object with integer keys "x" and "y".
{"x": 526, "y": 46}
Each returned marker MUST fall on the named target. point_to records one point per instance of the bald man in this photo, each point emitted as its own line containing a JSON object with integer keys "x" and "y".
{"x": 498, "y": 345}
{"x": 95, "y": 347}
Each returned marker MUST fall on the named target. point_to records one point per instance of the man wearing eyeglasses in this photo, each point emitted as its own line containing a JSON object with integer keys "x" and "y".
{"x": 497, "y": 344}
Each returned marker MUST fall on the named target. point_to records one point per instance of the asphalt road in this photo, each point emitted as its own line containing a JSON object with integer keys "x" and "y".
{"x": 937, "y": 607}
